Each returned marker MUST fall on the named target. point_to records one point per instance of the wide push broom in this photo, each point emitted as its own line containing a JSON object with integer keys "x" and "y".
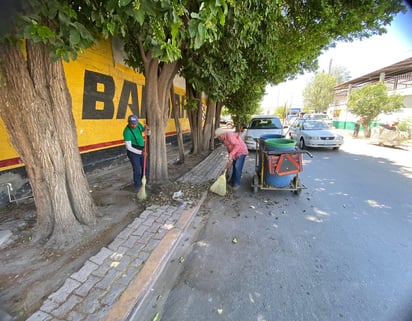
{"x": 141, "y": 194}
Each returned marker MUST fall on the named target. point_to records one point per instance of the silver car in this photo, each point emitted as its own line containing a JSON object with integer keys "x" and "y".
{"x": 261, "y": 126}
{"x": 315, "y": 133}
{"x": 323, "y": 117}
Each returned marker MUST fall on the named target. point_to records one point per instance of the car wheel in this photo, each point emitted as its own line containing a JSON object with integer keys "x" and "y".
{"x": 302, "y": 143}
{"x": 335, "y": 148}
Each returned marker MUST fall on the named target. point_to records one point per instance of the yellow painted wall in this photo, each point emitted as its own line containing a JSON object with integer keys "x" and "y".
{"x": 99, "y": 59}
{"x": 94, "y": 134}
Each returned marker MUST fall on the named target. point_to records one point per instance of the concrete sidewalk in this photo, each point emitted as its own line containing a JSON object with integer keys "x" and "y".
{"x": 117, "y": 283}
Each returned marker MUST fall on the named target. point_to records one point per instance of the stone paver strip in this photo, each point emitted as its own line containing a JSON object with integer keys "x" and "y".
{"x": 125, "y": 268}
{"x": 85, "y": 271}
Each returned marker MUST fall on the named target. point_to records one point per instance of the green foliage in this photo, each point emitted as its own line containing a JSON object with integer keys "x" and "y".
{"x": 368, "y": 102}
{"x": 281, "y": 112}
{"x": 64, "y": 27}
{"x": 245, "y": 102}
{"x": 191, "y": 103}
{"x": 225, "y": 111}
{"x": 341, "y": 74}
{"x": 307, "y": 110}
{"x": 166, "y": 28}
{"x": 405, "y": 124}
{"x": 223, "y": 44}
{"x": 272, "y": 41}
{"x": 320, "y": 92}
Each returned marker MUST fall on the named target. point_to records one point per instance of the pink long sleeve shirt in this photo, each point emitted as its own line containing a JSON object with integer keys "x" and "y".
{"x": 235, "y": 145}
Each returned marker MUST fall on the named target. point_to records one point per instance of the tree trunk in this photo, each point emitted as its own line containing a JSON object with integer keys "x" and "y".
{"x": 209, "y": 126}
{"x": 179, "y": 134}
{"x": 195, "y": 120}
{"x": 202, "y": 124}
{"x": 37, "y": 112}
{"x": 366, "y": 128}
{"x": 219, "y": 107}
{"x": 159, "y": 79}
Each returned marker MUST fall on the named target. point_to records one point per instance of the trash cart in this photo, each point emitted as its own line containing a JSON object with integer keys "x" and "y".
{"x": 278, "y": 164}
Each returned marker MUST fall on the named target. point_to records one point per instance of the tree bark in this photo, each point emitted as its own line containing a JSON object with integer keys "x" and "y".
{"x": 209, "y": 126}
{"x": 179, "y": 134}
{"x": 193, "y": 120}
{"x": 366, "y": 128}
{"x": 219, "y": 107}
{"x": 37, "y": 112}
{"x": 159, "y": 79}
{"x": 202, "y": 123}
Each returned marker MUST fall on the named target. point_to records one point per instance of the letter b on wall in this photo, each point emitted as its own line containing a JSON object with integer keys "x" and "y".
{"x": 98, "y": 96}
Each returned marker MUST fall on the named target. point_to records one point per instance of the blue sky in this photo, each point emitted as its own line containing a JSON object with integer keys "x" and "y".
{"x": 359, "y": 57}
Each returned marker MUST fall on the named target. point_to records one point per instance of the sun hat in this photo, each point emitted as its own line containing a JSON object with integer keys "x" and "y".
{"x": 220, "y": 131}
{"x": 133, "y": 119}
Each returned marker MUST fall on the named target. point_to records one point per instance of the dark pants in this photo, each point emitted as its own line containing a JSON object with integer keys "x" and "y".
{"x": 237, "y": 170}
{"x": 137, "y": 165}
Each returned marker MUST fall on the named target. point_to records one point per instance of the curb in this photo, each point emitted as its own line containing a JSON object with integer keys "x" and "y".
{"x": 133, "y": 299}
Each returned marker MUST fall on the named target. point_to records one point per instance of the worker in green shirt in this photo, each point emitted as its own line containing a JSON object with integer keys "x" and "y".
{"x": 133, "y": 139}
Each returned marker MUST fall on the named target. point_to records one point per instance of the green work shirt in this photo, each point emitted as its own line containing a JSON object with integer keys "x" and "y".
{"x": 137, "y": 138}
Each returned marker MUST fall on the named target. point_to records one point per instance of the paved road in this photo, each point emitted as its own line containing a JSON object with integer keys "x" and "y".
{"x": 342, "y": 250}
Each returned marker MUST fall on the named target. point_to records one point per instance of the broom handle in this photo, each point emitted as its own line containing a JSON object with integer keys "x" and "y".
{"x": 144, "y": 154}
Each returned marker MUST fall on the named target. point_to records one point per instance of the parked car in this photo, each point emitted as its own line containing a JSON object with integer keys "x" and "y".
{"x": 315, "y": 133}
{"x": 290, "y": 119}
{"x": 319, "y": 116}
{"x": 226, "y": 121}
{"x": 261, "y": 126}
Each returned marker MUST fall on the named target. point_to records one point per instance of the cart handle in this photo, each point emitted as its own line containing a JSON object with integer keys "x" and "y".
{"x": 309, "y": 154}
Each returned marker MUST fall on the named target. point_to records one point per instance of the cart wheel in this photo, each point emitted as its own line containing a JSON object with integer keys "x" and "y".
{"x": 296, "y": 185}
{"x": 255, "y": 184}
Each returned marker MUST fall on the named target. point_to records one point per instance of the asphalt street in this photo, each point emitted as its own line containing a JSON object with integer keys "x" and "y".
{"x": 341, "y": 250}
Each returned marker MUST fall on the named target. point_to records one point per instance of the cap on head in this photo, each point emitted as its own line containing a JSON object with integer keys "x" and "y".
{"x": 220, "y": 131}
{"x": 133, "y": 119}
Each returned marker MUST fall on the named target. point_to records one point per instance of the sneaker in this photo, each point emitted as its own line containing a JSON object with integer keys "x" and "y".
{"x": 235, "y": 187}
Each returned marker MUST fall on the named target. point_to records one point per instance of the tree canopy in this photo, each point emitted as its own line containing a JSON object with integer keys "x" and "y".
{"x": 238, "y": 46}
{"x": 272, "y": 41}
{"x": 371, "y": 100}
{"x": 319, "y": 92}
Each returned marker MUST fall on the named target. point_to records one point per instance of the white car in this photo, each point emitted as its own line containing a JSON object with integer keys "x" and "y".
{"x": 262, "y": 126}
{"x": 323, "y": 117}
{"x": 315, "y": 133}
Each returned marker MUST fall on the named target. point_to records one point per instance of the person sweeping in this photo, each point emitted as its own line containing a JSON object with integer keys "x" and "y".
{"x": 136, "y": 152}
{"x": 237, "y": 151}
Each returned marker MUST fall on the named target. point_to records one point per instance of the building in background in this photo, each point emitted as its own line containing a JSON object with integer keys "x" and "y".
{"x": 398, "y": 79}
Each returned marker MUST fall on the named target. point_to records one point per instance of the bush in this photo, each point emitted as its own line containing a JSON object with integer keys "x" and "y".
{"x": 405, "y": 125}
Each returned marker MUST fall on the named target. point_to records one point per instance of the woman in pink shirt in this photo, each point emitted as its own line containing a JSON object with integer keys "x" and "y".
{"x": 237, "y": 150}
